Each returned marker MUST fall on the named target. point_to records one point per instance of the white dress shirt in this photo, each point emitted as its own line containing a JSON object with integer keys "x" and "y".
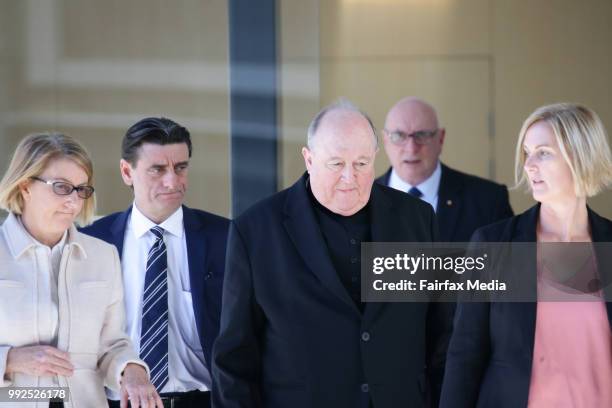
{"x": 186, "y": 365}
{"x": 429, "y": 187}
{"x": 47, "y": 302}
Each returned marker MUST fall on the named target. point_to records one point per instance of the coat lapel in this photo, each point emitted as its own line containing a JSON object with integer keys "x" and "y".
{"x": 384, "y": 179}
{"x": 602, "y": 232}
{"x": 384, "y": 229}
{"x": 195, "y": 238}
{"x": 527, "y": 311}
{"x": 303, "y": 230}
{"x": 387, "y": 226}
{"x": 449, "y": 203}
{"x": 117, "y": 230}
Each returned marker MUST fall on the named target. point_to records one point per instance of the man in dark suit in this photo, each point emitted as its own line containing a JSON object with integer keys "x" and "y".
{"x": 173, "y": 259}
{"x": 294, "y": 332}
{"x": 413, "y": 142}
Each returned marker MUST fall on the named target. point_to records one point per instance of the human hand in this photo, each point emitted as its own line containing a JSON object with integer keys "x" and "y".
{"x": 136, "y": 387}
{"x": 38, "y": 361}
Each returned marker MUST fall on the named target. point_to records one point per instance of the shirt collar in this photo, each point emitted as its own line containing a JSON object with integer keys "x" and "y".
{"x": 141, "y": 224}
{"x": 428, "y": 187}
{"x": 20, "y": 241}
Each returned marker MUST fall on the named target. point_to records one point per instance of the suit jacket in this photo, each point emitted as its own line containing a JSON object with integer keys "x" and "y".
{"x": 465, "y": 203}
{"x": 206, "y": 236}
{"x": 91, "y": 314}
{"x": 291, "y": 336}
{"x": 491, "y": 351}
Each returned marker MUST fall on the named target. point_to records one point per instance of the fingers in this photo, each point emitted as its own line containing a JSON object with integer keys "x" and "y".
{"x": 57, "y": 353}
{"x": 58, "y": 370}
{"x": 44, "y": 361}
{"x": 143, "y": 396}
{"x": 59, "y": 366}
{"x": 54, "y": 361}
{"x": 59, "y": 357}
{"x": 124, "y": 399}
{"x": 134, "y": 399}
{"x": 138, "y": 388}
{"x": 158, "y": 401}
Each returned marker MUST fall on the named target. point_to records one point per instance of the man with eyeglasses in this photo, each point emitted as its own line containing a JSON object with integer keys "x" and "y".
{"x": 173, "y": 260}
{"x": 413, "y": 142}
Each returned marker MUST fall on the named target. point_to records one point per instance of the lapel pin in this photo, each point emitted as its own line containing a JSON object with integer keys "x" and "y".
{"x": 449, "y": 202}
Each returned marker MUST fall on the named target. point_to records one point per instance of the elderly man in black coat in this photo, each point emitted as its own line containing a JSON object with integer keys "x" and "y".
{"x": 294, "y": 330}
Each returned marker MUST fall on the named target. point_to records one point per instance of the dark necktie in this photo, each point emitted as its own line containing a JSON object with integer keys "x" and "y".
{"x": 154, "y": 331}
{"x": 415, "y": 192}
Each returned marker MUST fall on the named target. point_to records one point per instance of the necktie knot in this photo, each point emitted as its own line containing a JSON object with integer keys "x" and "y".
{"x": 157, "y": 231}
{"x": 415, "y": 192}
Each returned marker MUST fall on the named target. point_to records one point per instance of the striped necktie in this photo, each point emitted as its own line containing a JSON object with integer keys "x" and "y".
{"x": 154, "y": 331}
{"x": 415, "y": 192}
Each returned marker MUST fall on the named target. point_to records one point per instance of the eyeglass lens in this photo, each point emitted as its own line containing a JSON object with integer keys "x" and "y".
{"x": 61, "y": 188}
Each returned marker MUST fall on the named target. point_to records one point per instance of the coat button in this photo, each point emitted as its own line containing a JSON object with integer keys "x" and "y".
{"x": 365, "y": 388}
{"x": 208, "y": 276}
{"x": 365, "y": 336}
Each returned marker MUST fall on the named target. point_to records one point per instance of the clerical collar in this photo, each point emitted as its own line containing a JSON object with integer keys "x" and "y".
{"x": 360, "y": 216}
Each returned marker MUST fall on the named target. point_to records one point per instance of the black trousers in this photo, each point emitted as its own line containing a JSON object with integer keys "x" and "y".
{"x": 191, "y": 399}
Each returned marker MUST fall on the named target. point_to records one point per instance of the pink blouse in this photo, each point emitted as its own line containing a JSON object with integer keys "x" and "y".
{"x": 572, "y": 355}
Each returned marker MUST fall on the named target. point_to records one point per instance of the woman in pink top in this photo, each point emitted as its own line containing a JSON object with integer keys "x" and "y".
{"x": 556, "y": 352}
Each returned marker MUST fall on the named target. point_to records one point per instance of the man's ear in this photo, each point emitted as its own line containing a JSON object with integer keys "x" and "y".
{"x": 126, "y": 172}
{"x": 442, "y": 134}
{"x": 307, "y": 154}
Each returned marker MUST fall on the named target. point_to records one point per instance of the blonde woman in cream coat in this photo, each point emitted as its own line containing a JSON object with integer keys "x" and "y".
{"x": 61, "y": 297}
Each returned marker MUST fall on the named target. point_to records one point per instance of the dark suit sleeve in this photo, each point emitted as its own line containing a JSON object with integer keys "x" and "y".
{"x": 503, "y": 207}
{"x": 236, "y": 355}
{"x": 439, "y": 329}
{"x": 468, "y": 353}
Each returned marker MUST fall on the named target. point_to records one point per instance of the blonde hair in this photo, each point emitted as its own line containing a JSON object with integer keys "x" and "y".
{"x": 31, "y": 158}
{"x": 582, "y": 140}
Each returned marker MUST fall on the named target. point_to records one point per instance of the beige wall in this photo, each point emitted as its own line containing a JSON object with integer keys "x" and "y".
{"x": 549, "y": 51}
{"x": 299, "y": 61}
{"x": 91, "y": 69}
{"x": 485, "y": 64}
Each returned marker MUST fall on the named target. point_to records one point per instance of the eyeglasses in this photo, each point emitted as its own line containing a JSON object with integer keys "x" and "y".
{"x": 420, "y": 137}
{"x": 63, "y": 188}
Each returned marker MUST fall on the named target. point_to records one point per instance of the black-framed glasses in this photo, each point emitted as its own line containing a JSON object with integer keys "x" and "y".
{"x": 420, "y": 137}
{"x": 63, "y": 188}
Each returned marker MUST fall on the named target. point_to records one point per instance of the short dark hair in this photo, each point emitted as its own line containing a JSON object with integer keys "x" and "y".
{"x": 161, "y": 131}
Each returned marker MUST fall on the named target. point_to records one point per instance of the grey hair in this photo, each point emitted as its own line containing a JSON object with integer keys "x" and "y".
{"x": 340, "y": 104}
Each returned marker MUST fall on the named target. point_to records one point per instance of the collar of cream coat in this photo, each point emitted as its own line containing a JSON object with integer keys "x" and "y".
{"x": 19, "y": 242}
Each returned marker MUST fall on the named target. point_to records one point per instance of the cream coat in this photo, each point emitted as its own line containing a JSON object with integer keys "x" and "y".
{"x": 91, "y": 314}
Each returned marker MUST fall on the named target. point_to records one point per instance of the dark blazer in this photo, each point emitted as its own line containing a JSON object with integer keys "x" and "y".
{"x": 206, "y": 236}
{"x": 491, "y": 350}
{"x": 291, "y": 336}
{"x": 465, "y": 203}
